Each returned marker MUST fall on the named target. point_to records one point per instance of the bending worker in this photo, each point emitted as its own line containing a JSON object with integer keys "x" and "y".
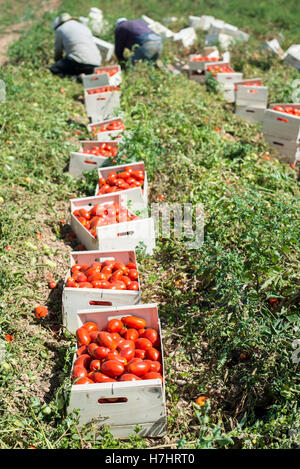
{"x": 76, "y": 40}
{"x": 130, "y": 33}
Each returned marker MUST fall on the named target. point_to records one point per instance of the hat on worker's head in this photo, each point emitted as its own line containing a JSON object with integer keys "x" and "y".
{"x": 120, "y": 20}
{"x": 60, "y": 20}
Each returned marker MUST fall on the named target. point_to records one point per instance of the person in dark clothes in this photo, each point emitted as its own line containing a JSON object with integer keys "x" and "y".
{"x": 77, "y": 42}
{"x": 137, "y": 36}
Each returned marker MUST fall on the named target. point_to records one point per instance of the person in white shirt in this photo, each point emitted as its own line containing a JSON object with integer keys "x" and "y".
{"x": 76, "y": 41}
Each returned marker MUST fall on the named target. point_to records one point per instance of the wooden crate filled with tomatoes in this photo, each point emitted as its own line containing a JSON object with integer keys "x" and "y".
{"x": 281, "y": 129}
{"x": 117, "y": 373}
{"x": 130, "y": 179}
{"x": 251, "y": 99}
{"x": 105, "y": 223}
{"x": 225, "y": 75}
{"x": 103, "y": 76}
{"x": 102, "y": 102}
{"x": 91, "y": 155}
{"x": 109, "y": 129}
{"x": 99, "y": 279}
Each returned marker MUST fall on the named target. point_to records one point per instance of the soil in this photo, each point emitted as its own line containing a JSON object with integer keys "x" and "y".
{"x": 12, "y": 33}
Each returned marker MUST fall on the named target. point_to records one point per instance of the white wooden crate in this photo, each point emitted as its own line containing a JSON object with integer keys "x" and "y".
{"x": 74, "y": 299}
{"x": 254, "y": 96}
{"x": 144, "y": 401}
{"x": 102, "y": 105}
{"x": 97, "y": 80}
{"x": 289, "y": 150}
{"x": 106, "y": 48}
{"x": 137, "y": 199}
{"x": 250, "y": 113}
{"x": 80, "y": 161}
{"x": 110, "y": 134}
{"x": 124, "y": 235}
{"x": 225, "y": 79}
{"x": 281, "y": 124}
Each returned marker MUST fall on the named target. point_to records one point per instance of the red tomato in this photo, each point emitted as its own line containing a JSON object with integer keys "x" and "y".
{"x": 140, "y": 353}
{"x": 154, "y": 366}
{"x": 101, "y": 352}
{"x": 131, "y": 334}
{"x": 126, "y": 280}
{"x": 112, "y": 368}
{"x": 134, "y": 322}
{"x": 90, "y": 326}
{"x": 91, "y": 348}
{"x": 106, "y": 340}
{"x": 79, "y": 372}
{"x": 133, "y": 274}
{"x": 114, "y": 325}
{"x": 85, "y": 285}
{"x": 153, "y": 354}
{"x": 93, "y": 336}
{"x": 151, "y": 335}
{"x": 139, "y": 368}
{"x": 153, "y": 375}
{"x": 84, "y": 380}
{"x": 82, "y": 350}
{"x": 41, "y": 312}
{"x": 143, "y": 344}
{"x": 84, "y": 360}
{"x": 116, "y": 356}
{"x": 117, "y": 338}
{"x": 129, "y": 377}
{"x": 102, "y": 378}
{"x": 83, "y": 337}
{"x": 95, "y": 365}
{"x": 131, "y": 265}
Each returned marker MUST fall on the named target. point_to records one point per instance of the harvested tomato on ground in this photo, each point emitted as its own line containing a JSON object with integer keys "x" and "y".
{"x": 107, "y": 356}
{"x": 41, "y": 312}
{"x": 116, "y": 182}
{"x": 103, "y": 215}
{"x": 109, "y": 275}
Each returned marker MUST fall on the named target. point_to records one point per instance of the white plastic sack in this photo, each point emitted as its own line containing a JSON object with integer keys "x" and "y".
{"x": 186, "y": 36}
{"x": 96, "y": 20}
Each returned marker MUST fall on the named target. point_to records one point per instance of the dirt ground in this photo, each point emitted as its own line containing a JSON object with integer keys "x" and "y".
{"x": 13, "y": 32}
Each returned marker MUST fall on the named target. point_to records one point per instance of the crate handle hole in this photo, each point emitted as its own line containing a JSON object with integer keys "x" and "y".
{"x": 253, "y": 91}
{"x": 126, "y": 233}
{"x": 100, "y": 303}
{"x": 90, "y": 162}
{"x": 278, "y": 143}
{"x": 282, "y": 119}
{"x": 101, "y": 99}
{"x": 112, "y": 400}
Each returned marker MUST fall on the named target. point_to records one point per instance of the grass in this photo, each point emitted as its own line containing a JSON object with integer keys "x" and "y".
{"x": 222, "y": 336}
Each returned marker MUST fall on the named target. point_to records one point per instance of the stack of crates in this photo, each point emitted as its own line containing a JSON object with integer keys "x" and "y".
{"x": 281, "y": 129}
{"x": 251, "y": 99}
{"x": 224, "y": 74}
